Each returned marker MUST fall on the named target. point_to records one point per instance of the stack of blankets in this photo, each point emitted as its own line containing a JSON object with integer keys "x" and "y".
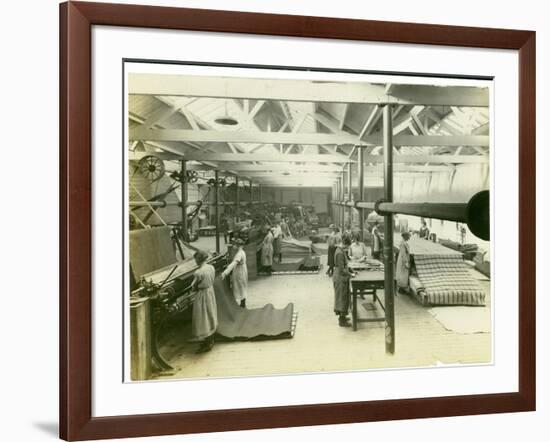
{"x": 442, "y": 278}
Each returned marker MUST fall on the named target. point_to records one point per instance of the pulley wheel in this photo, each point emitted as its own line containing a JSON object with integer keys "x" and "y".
{"x": 151, "y": 167}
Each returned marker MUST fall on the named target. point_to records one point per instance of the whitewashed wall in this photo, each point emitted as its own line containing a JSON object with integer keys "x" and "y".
{"x": 443, "y": 187}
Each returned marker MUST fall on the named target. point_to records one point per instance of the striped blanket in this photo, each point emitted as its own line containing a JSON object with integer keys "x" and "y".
{"x": 445, "y": 280}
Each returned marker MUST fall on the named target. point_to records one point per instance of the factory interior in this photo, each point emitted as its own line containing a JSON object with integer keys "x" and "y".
{"x": 284, "y": 171}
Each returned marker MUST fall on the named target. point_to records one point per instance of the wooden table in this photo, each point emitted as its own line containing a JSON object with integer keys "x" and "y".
{"x": 366, "y": 282}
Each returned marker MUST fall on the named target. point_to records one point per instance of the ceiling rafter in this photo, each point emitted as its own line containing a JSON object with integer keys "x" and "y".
{"x": 301, "y": 138}
{"x": 426, "y": 139}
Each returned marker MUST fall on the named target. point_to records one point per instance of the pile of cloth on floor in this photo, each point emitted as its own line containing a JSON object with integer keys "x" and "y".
{"x": 445, "y": 280}
{"x": 240, "y": 324}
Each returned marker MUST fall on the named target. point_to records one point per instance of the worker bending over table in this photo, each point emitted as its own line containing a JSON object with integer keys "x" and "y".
{"x": 358, "y": 250}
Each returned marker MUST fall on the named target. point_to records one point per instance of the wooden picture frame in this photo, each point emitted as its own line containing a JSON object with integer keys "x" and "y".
{"x": 76, "y": 21}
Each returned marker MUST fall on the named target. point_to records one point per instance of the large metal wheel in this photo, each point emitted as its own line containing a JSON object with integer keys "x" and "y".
{"x": 151, "y": 167}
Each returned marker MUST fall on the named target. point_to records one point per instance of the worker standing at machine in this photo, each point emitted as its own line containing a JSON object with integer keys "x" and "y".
{"x": 403, "y": 264}
{"x": 285, "y": 229}
{"x": 340, "y": 280}
{"x": 277, "y": 242}
{"x": 205, "y": 314}
{"x": 267, "y": 252}
{"x": 239, "y": 273}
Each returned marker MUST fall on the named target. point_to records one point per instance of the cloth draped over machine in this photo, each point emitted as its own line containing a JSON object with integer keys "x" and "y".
{"x": 159, "y": 278}
{"x": 298, "y": 257}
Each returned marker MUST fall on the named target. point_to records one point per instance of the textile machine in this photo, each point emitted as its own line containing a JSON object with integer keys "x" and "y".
{"x": 160, "y": 285}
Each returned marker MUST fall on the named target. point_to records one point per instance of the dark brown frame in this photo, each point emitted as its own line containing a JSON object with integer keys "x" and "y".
{"x": 76, "y": 20}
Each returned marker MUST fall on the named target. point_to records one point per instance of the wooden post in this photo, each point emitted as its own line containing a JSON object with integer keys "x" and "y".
{"x": 338, "y": 221}
{"x": 334, "y": 197}
{"x": 217, "y": 204}
{"x": 183, "y": 175}
{"x": 341, "y": 198}
{"x": 140, "y": 340}
{"x": 345, "y": 193}
{"x": 389, "y": 289}
{"x": 361, "y": 189}
{"x": 238, "y": 200}
{"x": 350, "y": 194}
{"x": 337, "y": 199}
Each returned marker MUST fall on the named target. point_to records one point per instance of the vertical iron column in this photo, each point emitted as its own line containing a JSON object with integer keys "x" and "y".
{"x": 251, "y": 193}
{"x": 350, "y": 194}
{"x": 341, "y": 198}
{"x": 238, "y": 201}
{"x": 335, "y": 206}
{"x": 183, "y": 175}
{"x": 334, "y": 198}
{"x": 388, "y": 231}
{"x": 260, "y": 193}
{"x": 217, "y": 204}
{"x": 361, "y": 189}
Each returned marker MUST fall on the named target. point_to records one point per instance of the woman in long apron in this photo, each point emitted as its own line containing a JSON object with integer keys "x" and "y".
{"x": 376, "y": 242}
{"x": 333, "y": 241}
{"x": 267, "y": 252}
{"x": 403, "y": 264}
{"x": 239, "y": 274}
{"x": 285, "y": 229}
{"x": 277, "y": 242}
{"x": 205, "y": 314}
{"x": 340, "y": 280}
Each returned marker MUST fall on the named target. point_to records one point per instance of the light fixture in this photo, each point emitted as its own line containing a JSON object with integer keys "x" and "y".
{"x": 226, "y": 120}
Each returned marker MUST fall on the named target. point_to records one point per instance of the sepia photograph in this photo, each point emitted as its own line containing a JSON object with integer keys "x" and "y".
{"x": 284, "y": 221}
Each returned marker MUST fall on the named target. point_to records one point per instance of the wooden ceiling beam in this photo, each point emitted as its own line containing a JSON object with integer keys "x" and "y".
{"x": 215, "y": 136}
{"x": 456, "y": 159}
{"x": 304, "y": 90}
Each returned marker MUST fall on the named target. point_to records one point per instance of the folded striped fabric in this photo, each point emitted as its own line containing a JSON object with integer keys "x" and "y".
{"x": 445, "y": 280}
